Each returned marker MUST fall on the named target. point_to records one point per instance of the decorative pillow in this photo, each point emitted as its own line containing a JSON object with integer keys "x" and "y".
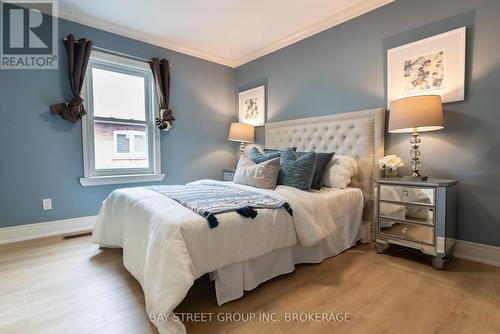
{"x": 322, "y": 160}
{"x": 297, "y": 172}
{"x": 263, "y": 175}
{"x": 269, "y": 150}
{"x": 256, "y": 156}
{"x": 339, "y": 172}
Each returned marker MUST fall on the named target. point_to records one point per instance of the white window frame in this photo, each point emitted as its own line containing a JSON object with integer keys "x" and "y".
{"x": 93, "y": 177}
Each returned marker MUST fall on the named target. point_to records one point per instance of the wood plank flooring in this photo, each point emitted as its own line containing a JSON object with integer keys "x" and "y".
{"x": 72, "y": 286}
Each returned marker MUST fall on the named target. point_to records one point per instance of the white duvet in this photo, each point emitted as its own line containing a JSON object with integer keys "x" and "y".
{"x": 167, "y": 246}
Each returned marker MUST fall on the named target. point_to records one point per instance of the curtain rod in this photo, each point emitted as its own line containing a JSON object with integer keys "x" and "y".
{"x": 120, "y": 54}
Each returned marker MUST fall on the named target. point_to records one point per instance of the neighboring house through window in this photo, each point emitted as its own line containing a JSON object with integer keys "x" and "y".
{"x": 121, "y": 142}
{"x": 129, "y": 145}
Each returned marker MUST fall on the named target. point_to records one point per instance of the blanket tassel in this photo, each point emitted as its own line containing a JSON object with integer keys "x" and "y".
{"x": 212, "y": 221}
{"x": 247, "y": 212}
{"x": 288, "y": 209}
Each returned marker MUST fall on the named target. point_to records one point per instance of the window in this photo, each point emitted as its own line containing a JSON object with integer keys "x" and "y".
{"x": 121, "y": 142}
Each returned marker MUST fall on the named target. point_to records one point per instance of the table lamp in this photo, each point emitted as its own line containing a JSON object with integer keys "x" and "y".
{"x": 413, "y": 115}
{"x": 244, "y": 133}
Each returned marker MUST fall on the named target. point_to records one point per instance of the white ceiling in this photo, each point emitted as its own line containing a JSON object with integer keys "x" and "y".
{"x": 230, "y": 32}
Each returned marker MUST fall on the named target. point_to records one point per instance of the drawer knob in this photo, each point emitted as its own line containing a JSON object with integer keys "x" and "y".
{"x": 404, "y": 230}
{"x": 405, "y": 193}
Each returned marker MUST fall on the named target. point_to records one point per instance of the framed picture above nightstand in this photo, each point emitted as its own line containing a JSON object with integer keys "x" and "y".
{"x": 252, "y": 106}
{"x": 434, "y": 65}
{"x": 416, "y": 214}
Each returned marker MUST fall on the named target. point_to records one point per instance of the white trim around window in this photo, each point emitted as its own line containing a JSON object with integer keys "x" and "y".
{"x": 93, "y": 176}
{"x": 120, "y": 179}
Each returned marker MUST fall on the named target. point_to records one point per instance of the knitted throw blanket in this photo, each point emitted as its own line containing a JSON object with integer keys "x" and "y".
{"x": 210, "y": 200}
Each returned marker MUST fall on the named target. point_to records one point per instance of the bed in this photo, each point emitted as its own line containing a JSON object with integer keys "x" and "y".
{"x": 167, "y": 246}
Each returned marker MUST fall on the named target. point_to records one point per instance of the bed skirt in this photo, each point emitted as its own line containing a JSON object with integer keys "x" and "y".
{"x": 232, "y": 280}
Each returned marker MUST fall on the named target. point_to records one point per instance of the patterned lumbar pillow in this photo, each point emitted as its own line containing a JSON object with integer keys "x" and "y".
{"x": 263, "y": 175}
{"x": 297, "y": 172}
{"x": 256, "y": 156}
{"x": 322, "y": 160}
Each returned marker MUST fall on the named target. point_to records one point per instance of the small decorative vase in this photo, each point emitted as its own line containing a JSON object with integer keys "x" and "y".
{"x": 391, "y": 172}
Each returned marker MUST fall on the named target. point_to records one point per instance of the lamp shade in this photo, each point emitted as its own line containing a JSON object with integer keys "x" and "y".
{"x": 241, "y": 132}
{"x": 416, "y": 113}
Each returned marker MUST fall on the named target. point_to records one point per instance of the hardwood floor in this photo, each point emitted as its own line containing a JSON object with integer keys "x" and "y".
{"x": 71, "y": 286}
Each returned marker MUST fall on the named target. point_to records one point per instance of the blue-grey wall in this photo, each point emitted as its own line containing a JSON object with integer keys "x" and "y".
{"x": 41, "y": 154}
{"x": 343, "y": 69}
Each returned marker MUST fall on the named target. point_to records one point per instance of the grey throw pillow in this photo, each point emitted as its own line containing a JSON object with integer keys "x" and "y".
{"x": 295, "y": 171}
{"x": 263, "y": 175}
{"x": 256, "y": 156}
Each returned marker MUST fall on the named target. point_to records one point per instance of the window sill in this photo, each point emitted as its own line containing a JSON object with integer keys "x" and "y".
{"x": 120, "y": 179}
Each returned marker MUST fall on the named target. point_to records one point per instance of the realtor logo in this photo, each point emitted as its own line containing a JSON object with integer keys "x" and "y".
{"x": 29, "y": 38}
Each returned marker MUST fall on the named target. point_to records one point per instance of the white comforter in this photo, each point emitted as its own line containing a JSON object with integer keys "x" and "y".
{"x": 167, "y": 246}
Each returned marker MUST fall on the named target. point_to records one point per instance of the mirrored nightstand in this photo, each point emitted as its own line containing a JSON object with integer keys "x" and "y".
{"x": 416, "y": 214}
{"x": 228, "y": 174}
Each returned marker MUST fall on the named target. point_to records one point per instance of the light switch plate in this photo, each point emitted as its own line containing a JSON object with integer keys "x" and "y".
{"x": 47, "y": 204}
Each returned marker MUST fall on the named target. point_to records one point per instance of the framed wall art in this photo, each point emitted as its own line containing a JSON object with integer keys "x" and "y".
{"x": 431, "y": 66}
{"x": 252, "y": 106}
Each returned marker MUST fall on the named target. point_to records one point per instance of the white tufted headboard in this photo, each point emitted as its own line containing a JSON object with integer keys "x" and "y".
{"x": 358, "y": 134}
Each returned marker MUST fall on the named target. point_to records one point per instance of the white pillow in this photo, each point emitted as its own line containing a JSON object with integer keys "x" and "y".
{"x": 339, "y": 171}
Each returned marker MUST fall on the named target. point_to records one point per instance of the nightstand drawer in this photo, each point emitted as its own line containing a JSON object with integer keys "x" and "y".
{"x": 228, "y": 175}
{"x": 405, "y": 212}
{"x": 406, "y": 231}
{"x": 407, "y": 194}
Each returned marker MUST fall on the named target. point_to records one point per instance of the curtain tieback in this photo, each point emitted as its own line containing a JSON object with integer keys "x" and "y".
{"x": 164, "y": 122}
{"x": 72, "y": 110}
{"x": 75, "y": 101}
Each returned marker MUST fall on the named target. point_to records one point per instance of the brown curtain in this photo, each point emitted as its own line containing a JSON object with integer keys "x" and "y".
{"x": 161, "y": 74}
{"x": 78, "y": 59}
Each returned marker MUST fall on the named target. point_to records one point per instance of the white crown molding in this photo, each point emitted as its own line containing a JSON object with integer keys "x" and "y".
{"x": 332, "y": 21}
{"x": 143, "y": 37}
{"x": 339, "y": 18}
{"x": 41, "y": 230}
{"x": 477, "y": 252}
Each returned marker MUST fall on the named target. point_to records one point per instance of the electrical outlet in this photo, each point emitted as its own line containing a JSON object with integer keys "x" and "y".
{"x": 47, "y": 204}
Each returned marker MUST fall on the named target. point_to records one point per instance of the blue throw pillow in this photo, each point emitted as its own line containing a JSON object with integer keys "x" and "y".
{"x": 297, "y": 172}
{"x": 256, "y": 156}
{"x": 322, "y": 160}
{"x": 268, "y": 150}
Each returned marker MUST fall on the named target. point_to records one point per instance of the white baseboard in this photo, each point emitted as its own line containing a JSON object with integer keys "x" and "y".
{"x": 47, "y": 229}
{"x": 477, "y": 252}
